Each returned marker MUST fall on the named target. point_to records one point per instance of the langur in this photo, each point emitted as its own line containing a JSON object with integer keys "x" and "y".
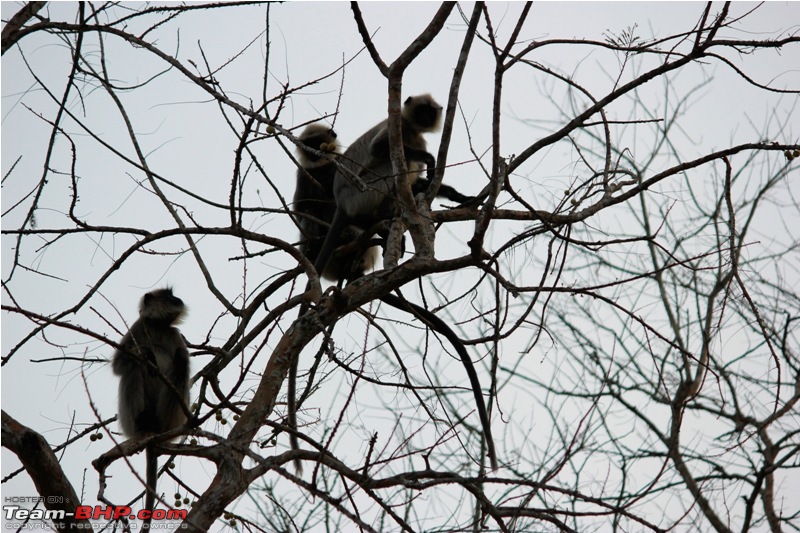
{"x": 314, "y": 205}
{"x": 314, "y": 197}
{"x": 368, "y": 158}
{"x": 364, "y": 186}
{"x": 313, "y": 201}
{"x": 152, "y": 363}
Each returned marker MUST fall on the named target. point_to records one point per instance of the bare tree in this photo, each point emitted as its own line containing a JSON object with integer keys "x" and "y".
{"x": 625, "y": 283}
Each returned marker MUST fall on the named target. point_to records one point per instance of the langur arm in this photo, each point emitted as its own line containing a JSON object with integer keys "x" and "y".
{"x": 379, "y": 150}
{"x": 445, "y": 191}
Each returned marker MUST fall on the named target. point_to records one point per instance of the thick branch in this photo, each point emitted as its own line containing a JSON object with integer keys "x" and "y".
{"x": 43, "y": 467}
{"x": 12, "y": 32}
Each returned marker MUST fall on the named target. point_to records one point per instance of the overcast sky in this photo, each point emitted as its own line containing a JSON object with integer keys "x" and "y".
{"x": 188, "y": 141}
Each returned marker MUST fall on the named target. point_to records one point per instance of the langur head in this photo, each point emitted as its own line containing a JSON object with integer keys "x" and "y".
{"x": 320, "y": 138}
{"x": 162, "y": 306}
{"x": 423, "y": 113}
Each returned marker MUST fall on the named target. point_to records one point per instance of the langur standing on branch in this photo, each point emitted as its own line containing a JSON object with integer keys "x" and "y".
{"x": 315, "y": 207}
{"x": 367, "y": 160}
{"x": 364, "y": 186}
{"x": 153, "y": 366}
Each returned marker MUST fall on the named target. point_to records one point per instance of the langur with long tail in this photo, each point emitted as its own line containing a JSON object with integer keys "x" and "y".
{"x": 356, "y": 207}
{"x": 152, "y": 363}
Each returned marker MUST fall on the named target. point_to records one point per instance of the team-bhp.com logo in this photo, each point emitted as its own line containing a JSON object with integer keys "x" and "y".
{"x": 89, "y": 512}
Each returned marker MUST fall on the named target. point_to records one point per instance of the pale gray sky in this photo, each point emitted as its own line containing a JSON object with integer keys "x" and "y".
{"x": 188, "y": 141}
